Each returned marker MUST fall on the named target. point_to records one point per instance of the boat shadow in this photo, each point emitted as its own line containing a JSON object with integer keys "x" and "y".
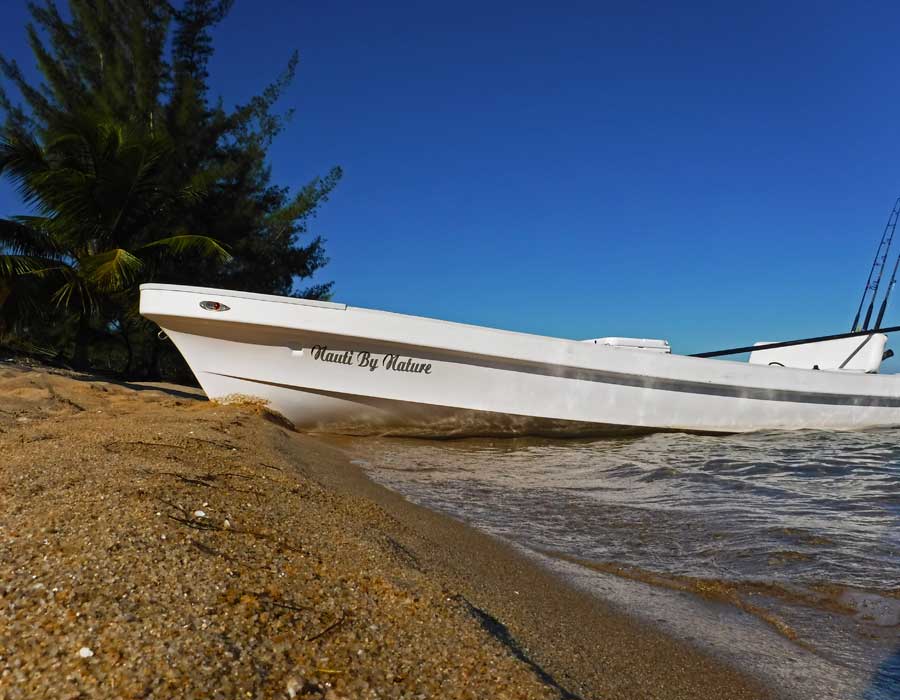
{"x": 174, "y": 390}
{"x": 180, "y": 391}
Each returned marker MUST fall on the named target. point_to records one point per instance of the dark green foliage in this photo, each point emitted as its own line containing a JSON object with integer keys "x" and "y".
{"x": 104, "y": 206}
{"x": 133, "y": 174}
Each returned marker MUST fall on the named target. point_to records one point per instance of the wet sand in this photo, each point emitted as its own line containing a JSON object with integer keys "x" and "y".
{"x": 153, "y": 544}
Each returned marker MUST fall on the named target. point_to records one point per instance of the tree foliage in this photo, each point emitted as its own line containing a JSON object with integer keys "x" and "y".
{"x": 132, "y": 172}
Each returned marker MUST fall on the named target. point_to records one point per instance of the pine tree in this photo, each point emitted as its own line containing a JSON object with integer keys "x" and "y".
{"x": 107, "y": 61}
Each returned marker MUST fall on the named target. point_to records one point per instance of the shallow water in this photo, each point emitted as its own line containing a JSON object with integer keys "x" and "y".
{"x": 801, "y": 529}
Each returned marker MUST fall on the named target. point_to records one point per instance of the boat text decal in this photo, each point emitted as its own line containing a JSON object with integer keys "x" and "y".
{"x": 363, "y": 358}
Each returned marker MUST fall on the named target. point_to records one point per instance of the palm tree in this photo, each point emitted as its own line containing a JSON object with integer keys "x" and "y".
{"x": 105, "y": 216}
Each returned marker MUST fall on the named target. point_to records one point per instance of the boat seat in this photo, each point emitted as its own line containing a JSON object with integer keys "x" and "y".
{"x": 858, "y": 354}
{"x": 649, "y": 344}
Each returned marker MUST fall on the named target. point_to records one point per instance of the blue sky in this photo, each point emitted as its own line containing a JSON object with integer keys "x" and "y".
{"x": 701, "y": 172}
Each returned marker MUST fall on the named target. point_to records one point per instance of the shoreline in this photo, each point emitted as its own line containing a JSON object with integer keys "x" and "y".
{"x": 574, "y": 635}
{"x": 110, "y": 479}
{"x": 820, "y": 640}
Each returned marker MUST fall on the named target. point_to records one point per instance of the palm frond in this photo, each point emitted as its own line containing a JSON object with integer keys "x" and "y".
{"x": 72, "y": 290}
{"x": 27, "y": 236}
{"x": 22, "y": 159}
{"x": 16, "y": 265}
{"x": 76, "y": 292}
{"x": 19, "y": 154}
{"x": 186, "y": 243}
{"x": 110, "y": 270}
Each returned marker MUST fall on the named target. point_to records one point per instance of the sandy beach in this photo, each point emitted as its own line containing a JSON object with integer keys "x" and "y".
{"x": 156, "y": 545}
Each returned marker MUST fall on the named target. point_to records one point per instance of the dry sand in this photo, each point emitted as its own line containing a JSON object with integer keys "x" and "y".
{"x": 155, "y": 545}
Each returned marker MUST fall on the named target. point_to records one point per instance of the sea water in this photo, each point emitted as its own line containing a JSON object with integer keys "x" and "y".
{"x": 800, "y": 530}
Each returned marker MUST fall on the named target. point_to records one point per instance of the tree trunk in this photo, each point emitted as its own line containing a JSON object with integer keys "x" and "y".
{"x": 128, "y": 349}
{"x": 153, "y": 364}
{"x": 83, "y": 334}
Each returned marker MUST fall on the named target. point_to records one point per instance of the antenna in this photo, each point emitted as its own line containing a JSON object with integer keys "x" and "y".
{"x": 877, "y": 271}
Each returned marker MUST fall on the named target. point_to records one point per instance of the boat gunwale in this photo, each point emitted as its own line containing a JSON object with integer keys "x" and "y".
{"x": 571, "y": 364}
{"x": 274, "y": 298}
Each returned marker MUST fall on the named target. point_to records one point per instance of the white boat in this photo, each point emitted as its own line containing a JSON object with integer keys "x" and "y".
{"x": 329, "y": 367}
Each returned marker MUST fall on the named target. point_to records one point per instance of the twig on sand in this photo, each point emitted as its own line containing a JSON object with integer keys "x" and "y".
{"x": 206, "y": 549}
{"x": 174, "y": 506}
{"x": 285, "y": 605}
{"x": 65, "y": 401}
{"x": 332, "y": 626}
{"x": 109, "y": 445}
{"x": 195, "y": 524}
{"x": 216, "y": 475}
{"x": 40, "y": 438}
{"x": 181, "y": 477}
{"x": 223, "y": 445}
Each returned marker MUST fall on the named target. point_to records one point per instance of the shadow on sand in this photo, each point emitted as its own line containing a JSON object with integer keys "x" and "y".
{"x": 180, "y": 391}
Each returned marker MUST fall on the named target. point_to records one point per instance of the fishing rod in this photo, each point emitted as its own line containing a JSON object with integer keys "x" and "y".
{"x": 804, "y": 341}
{"x": 887, "y": 238}
{"x": 887, "y": 295}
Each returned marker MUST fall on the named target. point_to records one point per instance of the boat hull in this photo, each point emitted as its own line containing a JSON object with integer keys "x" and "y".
{"x": 332, "y": 368}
